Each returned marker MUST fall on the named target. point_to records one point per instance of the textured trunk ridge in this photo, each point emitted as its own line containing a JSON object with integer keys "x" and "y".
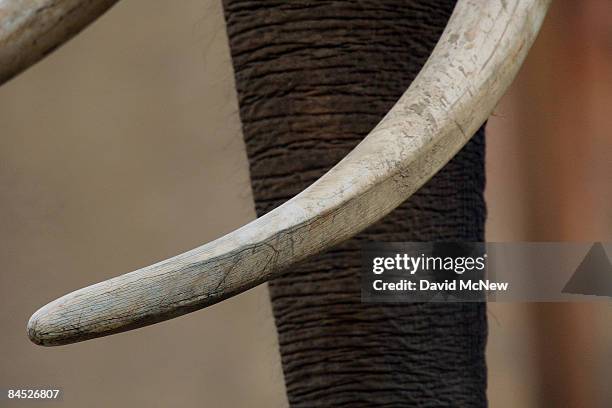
{"x": 313, "y": 78}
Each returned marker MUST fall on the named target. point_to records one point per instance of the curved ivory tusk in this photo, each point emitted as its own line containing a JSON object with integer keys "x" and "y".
{"x": 475, "y": 60}
{"x": 30, "y": 29}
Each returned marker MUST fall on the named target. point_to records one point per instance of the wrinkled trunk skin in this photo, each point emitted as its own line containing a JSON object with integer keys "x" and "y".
{"x": 313, "y": 78}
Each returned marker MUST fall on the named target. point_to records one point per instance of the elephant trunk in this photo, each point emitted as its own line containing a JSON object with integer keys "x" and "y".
{"x": 313, "y": 78}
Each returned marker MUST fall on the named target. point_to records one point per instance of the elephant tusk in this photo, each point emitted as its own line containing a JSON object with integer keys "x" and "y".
{"x": 30, "y": 29}
{"x": 473, "y": 63}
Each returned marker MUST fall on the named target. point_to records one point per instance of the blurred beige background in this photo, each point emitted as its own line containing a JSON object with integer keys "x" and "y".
{"x": 124, "y": 147}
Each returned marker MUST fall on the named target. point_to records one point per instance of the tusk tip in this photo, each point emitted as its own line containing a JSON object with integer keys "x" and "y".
{"x": 45, "y": 328}
{"x": 35, "y": 334}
